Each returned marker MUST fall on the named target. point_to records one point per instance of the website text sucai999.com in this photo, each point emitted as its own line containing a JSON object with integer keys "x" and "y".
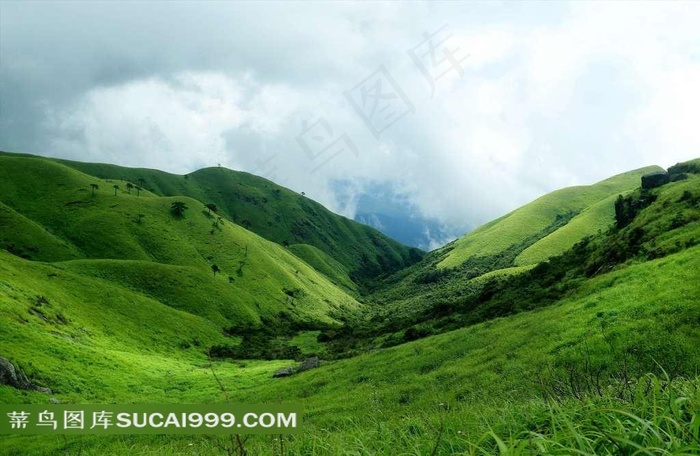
{"x": 149, "y": 419}
{"x": 196, "y": 420}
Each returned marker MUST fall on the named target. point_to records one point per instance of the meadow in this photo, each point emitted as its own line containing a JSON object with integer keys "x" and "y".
{"x": 573, "y": 336}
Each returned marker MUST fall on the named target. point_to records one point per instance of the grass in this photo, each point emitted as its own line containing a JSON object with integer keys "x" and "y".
{"x": 325, "y": 264}
{"x": 505, "y": 272}
{"x": 308, "y": 342}
{"x": 273, "y": 212}
{"x": 136, "y": 241}
{"x": 593, "y": 219}
{"x": 660, "y": 418}
{"x": 104, "y": 308}
{"x": 22, "y": 236}
{"x": 462, "y": 380}
{"x": 516, "y": 226}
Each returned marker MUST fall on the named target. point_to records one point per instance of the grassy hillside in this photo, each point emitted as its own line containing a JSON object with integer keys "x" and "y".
{"x": 425, "y": 299}
{"x": 593, "y": 351}
{"x": 533, "y": 218}
{"x": 273, "y": 212}
{"x": 449, "y": 391}
{"x": 527, "y": 236}
{"x": 326, "y": 265}
{"x": 596, "y": 217}
{"x": 494, "y": 374}
{"x": 70, "y": 330}
{"x": 23, "y": 236}
{"x": 257, "y": 277}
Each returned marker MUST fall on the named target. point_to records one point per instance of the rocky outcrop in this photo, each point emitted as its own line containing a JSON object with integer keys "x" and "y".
{"x": 311, "y": 362}
{"x": 284, "y": 372}
{"x": 656, "y": 179}
{"x": 16, "y": 378}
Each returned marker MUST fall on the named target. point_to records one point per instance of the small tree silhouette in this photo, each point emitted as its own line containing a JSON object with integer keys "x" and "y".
{"x": 212, "y": 207}
{"x": 94, "y": 187}
{"x": 178, "y": 208}
{"x": 116, "y": 187}
{"x": 215, "y": 269}
{"x": 129, "y": 186}
{"x": 138, "y": 190}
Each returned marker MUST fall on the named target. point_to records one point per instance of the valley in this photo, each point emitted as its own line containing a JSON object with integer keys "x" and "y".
{"x": 574, "y": 313}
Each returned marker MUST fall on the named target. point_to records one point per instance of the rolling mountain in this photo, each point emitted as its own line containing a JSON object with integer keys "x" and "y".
{"x": 275, "y": 213}
{"x": 52, "y": 213}
{"x": 509, "y": 245}
{"x": 547, "y": 226}
{"x": 570, "y": 326}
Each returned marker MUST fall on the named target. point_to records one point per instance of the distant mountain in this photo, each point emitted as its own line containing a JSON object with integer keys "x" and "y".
{"x": 380, "y": 205}
{"x": 423, "y": 233}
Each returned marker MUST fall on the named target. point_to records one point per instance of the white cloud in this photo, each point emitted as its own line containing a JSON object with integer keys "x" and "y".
{"x": 552, "y": 95}
{"x": 157, "y": 123}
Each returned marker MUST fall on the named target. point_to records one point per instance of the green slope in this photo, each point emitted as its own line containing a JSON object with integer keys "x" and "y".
{"x": 560, "y": 375}
{"x": 489, "y": 374}
{"x": 462, "y": 384}
{"x": 22, "y": 236}
{"x": 326, "y": 265}
{"x": 257, "y": 275}
{"x": 70, "y": 329}
{"x": 184, "y": 288}
{"x": 529, "y": 235}
{"x": 434, "y": 299}
{"x": 273, "y": 212}
{"x": 529, "y": 220}
{"x": 594, "y": 218}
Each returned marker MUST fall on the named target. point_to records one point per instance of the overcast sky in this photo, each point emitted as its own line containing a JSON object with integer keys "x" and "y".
{"x": 466, "y": 110}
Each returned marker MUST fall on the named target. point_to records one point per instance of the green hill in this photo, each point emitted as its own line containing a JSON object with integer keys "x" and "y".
{"x": 53, "y": 216}
{"x": 594, "y": 218}
{"x": 549, "y": 211}
{"x": 273, "y": 212}
{"x": 593, "y": 350}
{"x": 431, "y": 298}
{"x": 509, "y": 245}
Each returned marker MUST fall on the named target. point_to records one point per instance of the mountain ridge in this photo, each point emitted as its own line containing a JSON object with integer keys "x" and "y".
{"x": 274, "y": 212}
{"x": 116, "y": 301}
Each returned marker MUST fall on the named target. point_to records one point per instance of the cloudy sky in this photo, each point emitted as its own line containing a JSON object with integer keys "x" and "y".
{"x": 458, "y": 112}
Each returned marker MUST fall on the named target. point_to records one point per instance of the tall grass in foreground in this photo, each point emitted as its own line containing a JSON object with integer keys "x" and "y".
{"x": 660, "y": 417}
